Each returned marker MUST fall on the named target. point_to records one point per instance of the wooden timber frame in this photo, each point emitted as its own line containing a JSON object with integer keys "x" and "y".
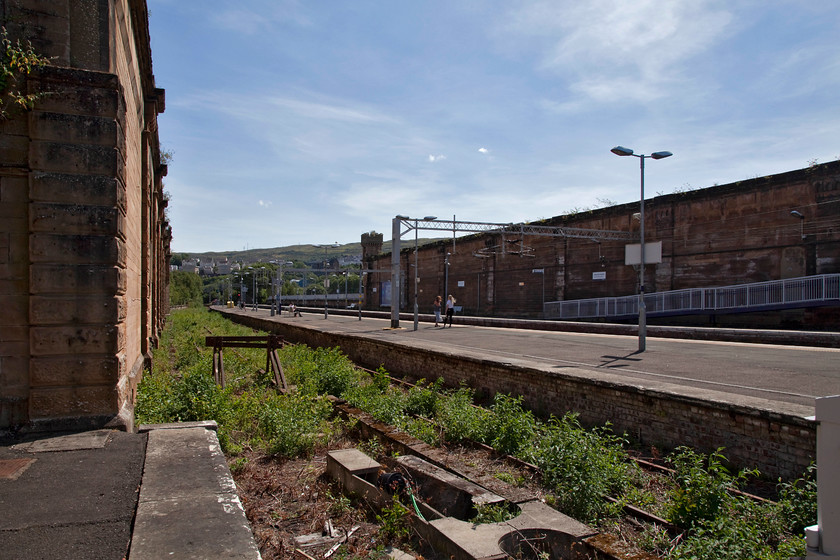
{"x": 272, "y": 362}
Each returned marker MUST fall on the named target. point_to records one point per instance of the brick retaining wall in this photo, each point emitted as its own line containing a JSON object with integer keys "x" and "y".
{"x": 779, "y": 445}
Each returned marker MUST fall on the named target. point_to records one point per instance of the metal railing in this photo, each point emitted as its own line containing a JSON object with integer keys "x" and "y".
{"x": 807, "y": 291}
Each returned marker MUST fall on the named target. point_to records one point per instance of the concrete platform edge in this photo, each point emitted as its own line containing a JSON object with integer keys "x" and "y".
{"x": 188, "y": 505}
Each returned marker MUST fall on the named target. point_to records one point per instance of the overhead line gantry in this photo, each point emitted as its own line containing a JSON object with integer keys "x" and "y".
{"x": 401, "y": 225}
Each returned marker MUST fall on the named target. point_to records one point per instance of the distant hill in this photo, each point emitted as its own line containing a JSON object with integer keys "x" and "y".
{"x": 297, "y": 253}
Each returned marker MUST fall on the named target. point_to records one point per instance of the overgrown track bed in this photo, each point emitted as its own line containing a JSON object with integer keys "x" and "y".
{"x": 276, "y": 444}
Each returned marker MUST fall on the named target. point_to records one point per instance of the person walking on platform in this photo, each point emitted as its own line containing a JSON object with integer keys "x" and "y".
{"x": 450, "y": 311}
{"x": 436, "y": 307}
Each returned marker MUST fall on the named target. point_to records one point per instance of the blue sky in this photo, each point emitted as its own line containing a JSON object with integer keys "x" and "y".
{"x": 296, "y": 122}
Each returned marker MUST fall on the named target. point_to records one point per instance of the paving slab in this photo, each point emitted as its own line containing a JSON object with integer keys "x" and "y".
{"x": 189, "y": 507}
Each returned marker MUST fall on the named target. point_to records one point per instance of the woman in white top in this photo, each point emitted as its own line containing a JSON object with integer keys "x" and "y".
{"x": 450, "y": 311}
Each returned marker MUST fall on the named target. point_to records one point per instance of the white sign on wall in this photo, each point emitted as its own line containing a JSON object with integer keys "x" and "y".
{"x": 460, "y": 283}
{"x": 653, "y": 253}
{"x": 600, "y": 275}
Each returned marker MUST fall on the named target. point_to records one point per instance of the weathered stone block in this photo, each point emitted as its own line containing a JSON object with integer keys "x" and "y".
{"x": 73, "y": 129}
{"x": 14, "y": 374}
{"x": 74, "y": 371}
{"x": 75, "y": 219}
{"x": 14, "y": 189}
{"x": 98, "y": 190}
{"x": 57, "y": 310}
{"x": 72, "y": 249}
{"x": 74, "y": 158}
{"x": 14, "y": 150}
{"x": 82, "y": 92}
{"x": 77, "y": 279}
{"x": 15, "y": 309}
{"x": 4, "y": 250}
{"x": 14, "y": 410}
{"x": 60, "y": 340}
{"x": 72, "y": 401}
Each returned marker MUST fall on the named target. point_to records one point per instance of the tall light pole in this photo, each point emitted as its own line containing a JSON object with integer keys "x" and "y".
{"x": 280, "y": 286}
{"x": 416, "y": 278}
{"x": 622, "y": 151}
{"x": 326, "y": 280}
{"x": 446, "y": 276}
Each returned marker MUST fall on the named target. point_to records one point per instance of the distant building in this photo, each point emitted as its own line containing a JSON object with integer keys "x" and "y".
{"x": 190, "y": 265}
{"x": 223, "y": 266}
{"x": 768, "y": 228}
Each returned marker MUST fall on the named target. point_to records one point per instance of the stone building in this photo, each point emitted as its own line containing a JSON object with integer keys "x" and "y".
{"x": 768, "y": 228}
{"x": 84, "y": 240}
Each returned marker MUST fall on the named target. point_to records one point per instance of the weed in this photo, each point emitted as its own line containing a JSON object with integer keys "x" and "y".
{"x": 493, "y": 513}
{"x": 394, "y": 522}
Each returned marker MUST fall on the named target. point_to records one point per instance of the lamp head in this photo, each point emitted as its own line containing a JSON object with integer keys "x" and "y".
{"x": 797, "y": 214}
{"x": 622, "y": 151}
{"x": 429, "y": 218}
{"x": 660, "y": 155}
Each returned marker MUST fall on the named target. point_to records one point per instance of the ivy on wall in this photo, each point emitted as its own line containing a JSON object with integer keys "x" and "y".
{"x": 18, "y": 61}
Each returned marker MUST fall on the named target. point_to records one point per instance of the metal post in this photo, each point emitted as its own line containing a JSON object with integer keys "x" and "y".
{"x": 622, "y": 151}
{"x": 361, "y": 275}
{"x": 395, "y": 272}
{"x": 446, "y": 276}
{"x": 642, "y": 309}
{"x": 416, "y": 308}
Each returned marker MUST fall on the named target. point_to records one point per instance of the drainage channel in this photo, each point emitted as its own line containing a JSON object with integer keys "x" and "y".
{"x": 447, "y": 498}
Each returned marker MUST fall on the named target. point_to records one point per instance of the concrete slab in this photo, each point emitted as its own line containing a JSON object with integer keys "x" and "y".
{"x": 95, "y": 439}
{"x": 188, "y": 505}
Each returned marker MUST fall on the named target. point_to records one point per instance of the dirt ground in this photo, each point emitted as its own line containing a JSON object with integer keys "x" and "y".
{"x": 288, "y": 499}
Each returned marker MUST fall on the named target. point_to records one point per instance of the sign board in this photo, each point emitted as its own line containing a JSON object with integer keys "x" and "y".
{"x": 600, "y": 275}
{"x": 538, "y": 270}
{"x": 460, "y": 283}
{"x": 653, "y": 253}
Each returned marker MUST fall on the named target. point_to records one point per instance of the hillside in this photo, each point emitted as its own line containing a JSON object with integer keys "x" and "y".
{"x": 296, "y": 253}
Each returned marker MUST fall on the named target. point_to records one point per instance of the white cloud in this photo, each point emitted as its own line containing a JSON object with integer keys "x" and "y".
{"x": 610, "y": 51}
{"x": 433, "y": 158}
{"x": 265, "y": 203}
{"x": 483, "y": 150}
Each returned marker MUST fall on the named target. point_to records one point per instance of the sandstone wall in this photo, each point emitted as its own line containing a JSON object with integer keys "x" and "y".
{"x": 84, "y": 180}
{"x": 730, "y": 234}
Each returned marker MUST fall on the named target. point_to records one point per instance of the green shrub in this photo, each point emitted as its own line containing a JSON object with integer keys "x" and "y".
{"x": 581, "y": 466}
{"x": 798, "y": 501}
{"x": 459, "y": 419}
{"x": 292, "y": 425}
{"x": 422, "y": 400}
{"x": 511, "y": 427}
{"x": 702, "y": 487}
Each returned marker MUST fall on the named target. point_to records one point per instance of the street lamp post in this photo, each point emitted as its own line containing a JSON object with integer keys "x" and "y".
{"x": 326, "y": 280}
{"x": 446, "y": 276}
{"x": 416, "y": 277}
{"x": 622, "y": 151}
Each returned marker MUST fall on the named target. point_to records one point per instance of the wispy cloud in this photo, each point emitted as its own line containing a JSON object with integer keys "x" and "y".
{"x": 610, "y": 51}
{"x": 259, "y": 17}
{"x": 265, "y": 203}
{"x": 439, "y": 157}
{"x": 484, "y": 150}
